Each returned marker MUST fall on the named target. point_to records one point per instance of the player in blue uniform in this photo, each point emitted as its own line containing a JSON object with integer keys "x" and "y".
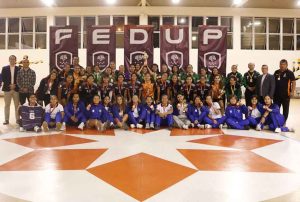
{"x": 96, "y": 113}
{"x": 149, "y": 110}
{"x": 214, "y": 118}
{"x": 255, "y": 112}
{"x": 120, "y": 112}
{"x": 197, "y": 112}
{"x": 136, "y": 113}
{"x": 164, "y": 113}
{"x": 54, "y": 114}
{"x": 108, "y": 118}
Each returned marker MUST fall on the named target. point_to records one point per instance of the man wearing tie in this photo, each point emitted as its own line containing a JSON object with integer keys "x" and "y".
{"x": 265, "y": 84}
{"x": 10, "y": 88}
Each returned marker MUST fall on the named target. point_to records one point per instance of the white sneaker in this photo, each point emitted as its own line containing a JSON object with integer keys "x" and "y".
{"x": 22, "y": 129}
{"x": 152, "y": 125}
{"x": 63, "y": 127}
{"x": 81, "y": 126}
{"x": 258, "y": 127}
{"x": 147, "y": 126}
{"x": 37, "y": 129}
{"x": 132, "y": 126}
{"x": 186, "y": 127}
{"x": 139, "y": 125}
{"x": 201, "y": 126}
{"x": 192, "y": 125}
{"x": 278, "y": 130}
{"x": 208, "y": 126}
{"x": 221, "y": 126}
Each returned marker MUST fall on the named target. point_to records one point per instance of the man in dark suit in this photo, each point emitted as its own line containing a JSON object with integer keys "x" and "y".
{"x": 10, "y": 88}
{"x": 265, "y": 84}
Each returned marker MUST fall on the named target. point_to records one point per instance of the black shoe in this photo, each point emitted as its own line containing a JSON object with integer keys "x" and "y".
{"x": 170, "y": 127}
{"x": 247, "y": 127}
{"x": 5, "y": 122}
{"x": 156, "y": 128}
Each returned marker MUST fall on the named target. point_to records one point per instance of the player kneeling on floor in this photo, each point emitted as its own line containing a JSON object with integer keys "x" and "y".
{"x": 31, "y": 115}
{"x": 54, "y": 113}
{"x": 164, "y": 113}
{"x": 180, "y": 113}
{"x": 96, "y": 113}
{"x": 214, "y": 119}
{"x": 74, "y": 113}
{"x": 136, "y": 113}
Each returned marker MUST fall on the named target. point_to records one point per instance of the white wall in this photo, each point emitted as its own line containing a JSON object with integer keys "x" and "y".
{"x": 235, "y": 56}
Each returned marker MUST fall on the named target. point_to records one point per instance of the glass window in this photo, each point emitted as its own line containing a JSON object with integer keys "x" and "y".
{"x": 2, "y": 41}
{"x": 298, "y": 26}
{"x": 288, "y": 43}
{"x": 288, "y": 25}
{"x": 298, "y": 42}
{"x": 75, "y": 21}
{"x": 27, "y": 41}
{"x": 274, "y": 25}
{"x": 196, "y": 21}
{"x": 260, "y": 25}
{"x": 2, "y": 25}
{"x": 227, "y": 21}
{"x": 40, "y": 41}
{"x": 154, "y": 20}
{"x": 274, "y": 42}
{"x": 104, "y": 20}
{"x": 195, "y": 41}
{"x": 120, "y": 40}
{"x": 133, "y": 20}
{"x": 27, "y": 24}
{"x": 168, "y": 20}
{"x": 229, "y": 41}
{"x": 246, "y": 24}
{"x": 88, "y": 21}
{"x": 260, "y": 41}
{"x": 211, "y": 20}
{"x": 246, "y": 41}
{"x": 79, "y": 40}
{"x": 13, "y": 41}
{"x": 119, "y": 22}
{"x": 61, "y": 20}
{"x": 13, "y": 25}
{"x": 156, "y": 39}
{"x": 182, "y": 20}
{"x": 41, "y": 24}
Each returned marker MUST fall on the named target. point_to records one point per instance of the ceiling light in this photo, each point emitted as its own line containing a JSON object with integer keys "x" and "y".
{"x": 175, "y": 1}
{"x": 182, "y": 20}
{"x": 48, "y": 3}
{"x": 111, "y": 2}
{"x": 298, "y": 3}
{"x": 194, "y": 38}
{"x": 237, "y": 2}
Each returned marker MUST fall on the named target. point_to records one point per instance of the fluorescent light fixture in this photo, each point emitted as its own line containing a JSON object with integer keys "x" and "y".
{"x": 298, "y": 3}
{"x": 256, "y": 23}
{"x": 239, "y": 3}
{"x": 175, "y": 1}
{"x": 111, "y": 2}
{"x": 48, "y": 3}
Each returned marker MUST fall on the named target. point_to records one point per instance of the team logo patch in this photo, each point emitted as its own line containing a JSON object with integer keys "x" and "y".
{"x": 174, "y": 58}
{"x": 137, "y": 57}
{"x": 101, "y": 59}
{"x": 212, "y": 60}
{"x": 63, "y": 57}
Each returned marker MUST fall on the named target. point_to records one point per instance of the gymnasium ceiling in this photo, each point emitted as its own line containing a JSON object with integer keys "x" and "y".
{"x": 283, "y": 4}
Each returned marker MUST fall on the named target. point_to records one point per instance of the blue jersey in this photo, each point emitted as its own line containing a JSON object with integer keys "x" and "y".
{"x": 196, "y": 113}
{"x": 78, "y": 111}
{"x": 31, "y": 116}
{"x": 97, "y": 112}
{"x": 236, "y": 112}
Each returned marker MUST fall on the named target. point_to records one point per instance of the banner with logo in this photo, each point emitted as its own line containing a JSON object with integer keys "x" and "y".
{"x": 101, "y": 46}
{"x": 174, "y": 46}
{"x": 138, "y": 40}
{"x": 63, "y": 45}
{"x": 212, "y": 48}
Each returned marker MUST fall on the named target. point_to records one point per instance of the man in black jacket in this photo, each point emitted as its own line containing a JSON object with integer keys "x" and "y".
{"x": 265, "y": 84}
{"x": 10, "y": 88}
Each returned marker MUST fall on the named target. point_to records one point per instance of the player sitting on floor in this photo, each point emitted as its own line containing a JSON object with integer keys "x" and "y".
{"x": 135, "y": 113}
{"x": 255, "y": 112}
{"x": 108, "y": 118}
{"x": 120, "y": 112}
{"x": 214, "y": 118}
{"x": 180, "y": 113}
{"x": 149, "y": 109}
{"x": 74, "y": 113}
{"x": 31, "y": 115}
{"x": 234, "y": 114}
{"x": 196, "y": 113}
{"x": 96, "y": 113}
{"x": 164, "y": 113}
{"x": 54, "y": 113}
{"x": 273, "y": 118}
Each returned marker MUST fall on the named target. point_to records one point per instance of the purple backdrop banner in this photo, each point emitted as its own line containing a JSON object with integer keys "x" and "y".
{"x": 212, "y": 48}
{"x": 137, "y": 40}
{"x": 174, "y": 46}
{"x": 101, "y": 46}
{"x": 63, "y": 45}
